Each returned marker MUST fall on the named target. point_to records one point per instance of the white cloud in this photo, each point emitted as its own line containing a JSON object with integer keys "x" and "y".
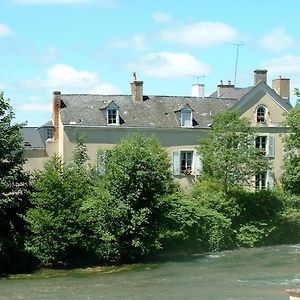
{"x": 204, "y": 34}
{"x": 35, "y": 105}
{"x": 98, "y": 2}
{"x": 4, "y": 30}
{"x": 285, "y": 65}
{"x": 168, "y": 65}
{"x": 69, "y": 80}
{"x": 136, "y": 42}
{"x": 161, "y": 17}
{"x": 277, "y": 40}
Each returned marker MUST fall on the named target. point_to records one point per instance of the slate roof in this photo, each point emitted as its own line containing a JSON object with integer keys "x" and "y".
{"x": 234, "y": 93}
{"x": 32, "y": 138}
{"x": 153, "y": 111}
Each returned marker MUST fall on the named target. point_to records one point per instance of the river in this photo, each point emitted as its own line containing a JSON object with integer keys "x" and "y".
{"x": 245, "y": 274}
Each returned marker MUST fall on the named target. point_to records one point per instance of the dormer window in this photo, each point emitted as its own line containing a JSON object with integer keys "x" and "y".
{"x": 186, "y": 116}
{"x": 261, "y": 114}
{"x": 112, "y": 114}
{"x": 49, "y": 133}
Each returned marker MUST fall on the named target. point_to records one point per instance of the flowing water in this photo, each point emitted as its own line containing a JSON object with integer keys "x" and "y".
{"x": 259, "y": 273}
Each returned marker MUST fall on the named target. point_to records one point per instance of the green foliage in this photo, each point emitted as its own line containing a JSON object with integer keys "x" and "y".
{"x": 125, "y": 211}
{"x": 254, "y": 234}
{"x": 14, "y": 188}
{"x": 291, "y": 175}
{"x": 257, "y": 218}
{"x": 229, "y": 154}
{"x": 190, "y": 227}
{"x": 55, "y": 220}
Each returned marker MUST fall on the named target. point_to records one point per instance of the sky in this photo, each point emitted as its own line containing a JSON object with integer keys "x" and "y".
{"x": 93, "y": 46}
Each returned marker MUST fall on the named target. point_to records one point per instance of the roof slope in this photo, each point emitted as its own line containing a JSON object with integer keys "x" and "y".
{"x": 233, "y": 93}
{"x": 32, "y": 137}
{"x": 154, "y": 111}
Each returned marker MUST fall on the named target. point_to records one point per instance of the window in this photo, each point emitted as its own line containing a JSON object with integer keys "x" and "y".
{"x": 186, "y": 163}
{"x": 112, "y": 114}
{"x": 186, "y": 118}
{"x": 186, "y": 160}
{"x": 261, "y": 181}
{"x": 261, "y": 144}
{"x": 49, "y": 133}
{"x": 266, "y": 144}
{"x": 261, "y": 114}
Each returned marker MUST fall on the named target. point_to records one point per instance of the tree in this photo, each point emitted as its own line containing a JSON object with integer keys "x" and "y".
{"x": 291, "y": 174}
{"x": 14, "y": 187}
{"x": 126, "y": 211}
{"x": 229, "y": 152}
{"x": 55, "y": 220}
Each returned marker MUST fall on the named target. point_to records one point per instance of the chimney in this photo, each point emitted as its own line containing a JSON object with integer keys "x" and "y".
{"x": 223, "y": 89}
{"x": 136, "y": 89}
{"x": 55, "y": 113}
{"x": 198, "y": 90}
{"x": 260, "y": 75}
{"x": 282, "y": 87}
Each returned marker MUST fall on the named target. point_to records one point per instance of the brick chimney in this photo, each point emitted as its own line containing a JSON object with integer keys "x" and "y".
{"x": 55, "y": 113}
{"x": 260, "y": 75}
{"x": 223, "y": 89}
{"x": 136, "y": 89}
{"x": 282, "y": 87}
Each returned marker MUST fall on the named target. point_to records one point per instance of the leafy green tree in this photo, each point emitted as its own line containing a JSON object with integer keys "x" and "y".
{"x": 125, "y": 212}
{"x": 14, "y": 187}
{"x": 229, "y": 153}
{"x": 57, "y": 233}
{"x": 291, "y": 175}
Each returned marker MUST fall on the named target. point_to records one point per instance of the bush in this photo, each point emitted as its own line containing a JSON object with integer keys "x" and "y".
{"x": 190, "y": 227}
{"x": 254, "y": 234}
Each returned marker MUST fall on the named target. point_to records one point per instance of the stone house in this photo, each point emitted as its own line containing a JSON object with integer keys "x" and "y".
{"x": 177, "y": 121}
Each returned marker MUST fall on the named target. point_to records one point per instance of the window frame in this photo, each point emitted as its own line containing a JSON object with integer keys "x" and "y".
{"x": 48, "y": 134}
{"x": 261, "y": 143}
{"x": 261, "y": 181}
{"x": 192, "y": 165}
{"x": 261, "y": 114}
{"x": 186, "y": 111}
{"x": 112, "y": 114}
{"x": 186, "y": 162}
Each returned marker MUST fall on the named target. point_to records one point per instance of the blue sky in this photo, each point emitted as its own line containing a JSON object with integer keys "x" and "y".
{"x": 93, "y": 46}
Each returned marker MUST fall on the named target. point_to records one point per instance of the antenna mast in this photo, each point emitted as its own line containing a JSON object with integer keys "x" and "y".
{"x": 238, "y": 45}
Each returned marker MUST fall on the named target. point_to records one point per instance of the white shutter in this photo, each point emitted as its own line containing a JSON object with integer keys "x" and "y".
{"x": 270, "y": 180}
{"x": 176, "y": 163}
{"x": 197, "y": 164}
{"x": 271, "y": 146}
{"x": 101, "y": 163}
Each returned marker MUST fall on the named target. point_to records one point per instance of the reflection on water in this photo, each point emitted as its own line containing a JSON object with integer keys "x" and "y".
{"x": 261, "y": 273}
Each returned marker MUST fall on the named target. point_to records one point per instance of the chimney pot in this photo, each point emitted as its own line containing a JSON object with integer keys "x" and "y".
{"x": 136, "y": 88}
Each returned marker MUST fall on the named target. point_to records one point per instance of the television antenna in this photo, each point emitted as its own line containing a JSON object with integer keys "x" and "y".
{"x": 237, "y": 45}
{"x": 197, "y": 77}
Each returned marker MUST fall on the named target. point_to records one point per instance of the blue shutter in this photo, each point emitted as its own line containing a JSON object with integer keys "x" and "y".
{"x": 271, "y": 146}
{"x": 270, "y": 180}
{"x": 197, "y": 164}
{"x": 176, "y": 163}
{"x": 101, "y": 163}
